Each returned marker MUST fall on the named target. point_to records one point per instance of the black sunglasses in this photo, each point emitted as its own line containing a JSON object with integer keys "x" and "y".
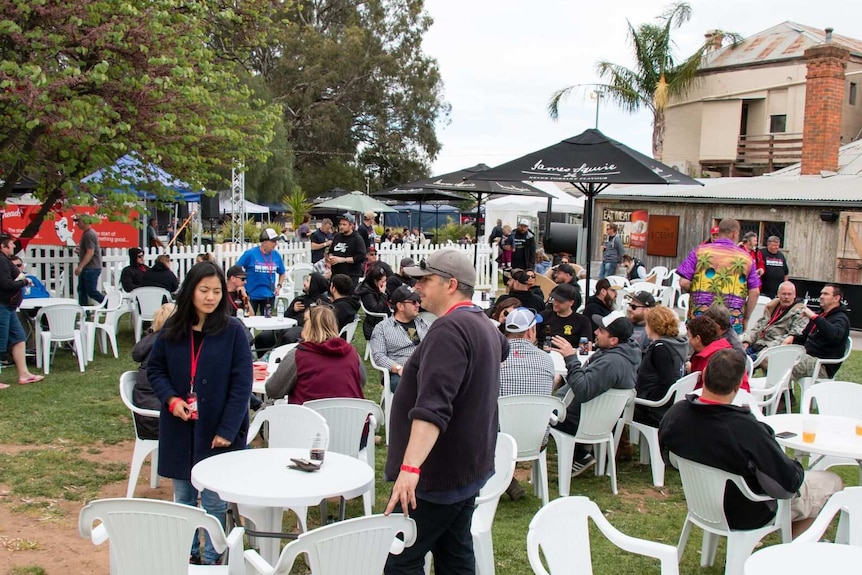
{"x": 633, "y": 306}
{"x": 423, "y": 265}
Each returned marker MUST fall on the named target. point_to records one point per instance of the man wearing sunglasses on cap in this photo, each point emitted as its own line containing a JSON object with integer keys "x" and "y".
{"x": 444, "y": 418}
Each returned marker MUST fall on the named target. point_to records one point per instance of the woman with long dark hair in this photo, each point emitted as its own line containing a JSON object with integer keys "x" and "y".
{"x": 372, "y": 294}
{"x": 200, "y": 369}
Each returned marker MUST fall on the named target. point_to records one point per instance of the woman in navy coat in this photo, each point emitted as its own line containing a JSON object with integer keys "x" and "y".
{"x": 200, "y": 369}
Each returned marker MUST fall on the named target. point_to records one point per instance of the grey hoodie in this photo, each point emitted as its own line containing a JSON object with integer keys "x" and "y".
{"x": 613, "y": 368}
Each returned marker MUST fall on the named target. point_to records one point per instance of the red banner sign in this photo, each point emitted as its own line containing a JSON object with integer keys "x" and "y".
{"x": 63, "y": 231}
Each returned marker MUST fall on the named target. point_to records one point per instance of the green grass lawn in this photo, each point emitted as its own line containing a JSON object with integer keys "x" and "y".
{"x": 64, "y": 420}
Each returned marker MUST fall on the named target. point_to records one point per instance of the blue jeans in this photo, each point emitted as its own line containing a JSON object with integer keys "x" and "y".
{"x": 88, "y": 286}
{"x": 445, "y": 531}
{"x": 185, "y": 493}
{"x": 607, "y": 269}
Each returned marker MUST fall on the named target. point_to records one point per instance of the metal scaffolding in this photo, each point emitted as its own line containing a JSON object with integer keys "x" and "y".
{"x": 237, "y": 204}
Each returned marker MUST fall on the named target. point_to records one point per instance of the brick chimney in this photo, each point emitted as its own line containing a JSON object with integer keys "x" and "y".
{"x": 824, "y": 99}
{"x": 713, "y": 40}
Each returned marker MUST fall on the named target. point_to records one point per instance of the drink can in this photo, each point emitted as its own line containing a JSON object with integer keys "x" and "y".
{"x": 583, "y": 346}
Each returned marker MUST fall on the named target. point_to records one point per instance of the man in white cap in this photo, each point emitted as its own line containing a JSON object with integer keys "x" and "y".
{"x": 523, "y": 244}
{"x": 528, "y": 369}
{"x": 347, "y": 252}
{"x": 613, "y": 366}
{"x": 264, "y": 271}
{"x": 444, "y": 418}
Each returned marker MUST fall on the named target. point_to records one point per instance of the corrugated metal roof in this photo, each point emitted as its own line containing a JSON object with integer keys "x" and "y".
{"x": 787, "y": 40}
{"x": 849, "y": 162}
{"x": 785, "y": 190}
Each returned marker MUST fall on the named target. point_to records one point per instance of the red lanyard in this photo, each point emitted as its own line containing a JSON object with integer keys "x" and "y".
{"x": 270, "y": 265}
{"x": 233, "y": 303}
{"x": 457, "y": 305}
{"x": 194, "y": 360}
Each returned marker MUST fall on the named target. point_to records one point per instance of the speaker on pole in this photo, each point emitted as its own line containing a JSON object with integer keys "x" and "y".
{"x": 562, "y": 238}
{"x": 210, "y": 207}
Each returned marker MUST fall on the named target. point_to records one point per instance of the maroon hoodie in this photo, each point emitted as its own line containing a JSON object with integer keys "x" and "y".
{"x": 325, "y": 370}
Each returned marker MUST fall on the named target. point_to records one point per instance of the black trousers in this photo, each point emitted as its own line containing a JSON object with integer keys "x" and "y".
{"x": 444, "y": 530}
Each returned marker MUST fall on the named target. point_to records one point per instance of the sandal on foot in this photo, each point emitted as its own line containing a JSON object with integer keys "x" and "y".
{"x": 31, "y": 379}
{"x": 4, "y": 385}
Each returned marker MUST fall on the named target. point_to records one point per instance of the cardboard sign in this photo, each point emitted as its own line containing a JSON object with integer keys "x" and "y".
{"x": 63, "y": 231}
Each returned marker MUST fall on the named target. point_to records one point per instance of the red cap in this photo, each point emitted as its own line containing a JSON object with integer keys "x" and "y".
{"x": 713, "y": 231}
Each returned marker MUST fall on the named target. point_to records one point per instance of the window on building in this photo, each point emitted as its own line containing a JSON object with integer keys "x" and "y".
{"x": 777, "y": 123}
{"x": 852, "y": 92}
{"x": 763, "y": 229}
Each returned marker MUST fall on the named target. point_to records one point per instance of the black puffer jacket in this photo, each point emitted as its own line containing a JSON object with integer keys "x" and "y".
{"x": 374, "y": 301}
{"x": 161, "y": 276}
{"x": 318, "y": 289}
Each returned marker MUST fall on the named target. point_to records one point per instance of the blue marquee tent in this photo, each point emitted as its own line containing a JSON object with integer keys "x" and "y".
{"x": 131, "y": 172}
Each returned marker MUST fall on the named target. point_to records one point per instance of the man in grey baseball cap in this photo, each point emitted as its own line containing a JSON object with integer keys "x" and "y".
{"x": 444, "y": 417}
{"x": 395, "y": 281}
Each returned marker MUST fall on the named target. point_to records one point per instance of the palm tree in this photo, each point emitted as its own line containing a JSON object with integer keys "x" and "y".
{"x": 657, "y": 76}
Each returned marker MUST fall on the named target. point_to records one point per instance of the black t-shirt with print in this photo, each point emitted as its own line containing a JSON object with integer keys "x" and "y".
{"x": 571, "y": 328}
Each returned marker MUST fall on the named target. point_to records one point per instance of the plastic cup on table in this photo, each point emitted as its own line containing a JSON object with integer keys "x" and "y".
{"x": 809, "y": 430}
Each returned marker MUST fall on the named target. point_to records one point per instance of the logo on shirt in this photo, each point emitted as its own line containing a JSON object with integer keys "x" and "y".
{"x": 567, "y": 330}
{"x": 340, "y": 247}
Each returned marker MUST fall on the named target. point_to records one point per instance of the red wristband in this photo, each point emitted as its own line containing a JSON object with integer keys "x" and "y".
{"x": 172, "y": 404}
{"x": 410, "y": 469}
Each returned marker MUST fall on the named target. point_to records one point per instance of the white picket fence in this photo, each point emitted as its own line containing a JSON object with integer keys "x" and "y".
{"x": 55, "y": 265}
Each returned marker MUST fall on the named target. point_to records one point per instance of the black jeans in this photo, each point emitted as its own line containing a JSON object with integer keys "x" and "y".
{"x": 444, "y": 530}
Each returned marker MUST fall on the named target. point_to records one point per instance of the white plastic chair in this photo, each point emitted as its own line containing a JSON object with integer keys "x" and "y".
{"x": 287, "y": 425}
{"x": 682, "y": 303}
{"x": 648, "y": 434}
{"x": 618, "y": 280}
{"x": 145, "y": 302}
{"x": 505, "y": 456}
{"x": 105, "y": 320}
{"x": 65, "y": 323}
{"x": 778, "y": 358}
{"x": 651, "y": 287}
{"x": 599, "y": 416}
{"x": 150, "y": 536}
{"x": 346, "y": 418}
{"x": 368, "y": 314}
{"x": 560, "y": 530}
{"x": 658, "y": 274}
{"x": 704, "y": 494}
{"x": 348, "y": 332}
{"x": 277, "y": 354}
{"x": 296, "y": 274}
{"x": 143, "y": 447}
{"x": 842, "y": 398}
{"x": 584, "y": 291}
{"x": 778, "y": 384}
{"x": 357, "y": 546}
{"x": 759, "y": 309}
{"x": 806, "y": 382}
{"x": 849, "y": 503}
{"x": 386, "y": 396}
{"x": 526, "y": 417}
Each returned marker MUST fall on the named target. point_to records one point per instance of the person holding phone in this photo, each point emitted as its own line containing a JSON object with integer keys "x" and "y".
{"x": 200, "y": 369}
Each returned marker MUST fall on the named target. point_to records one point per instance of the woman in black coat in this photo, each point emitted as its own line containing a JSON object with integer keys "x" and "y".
{"x": 160, "y": 275}
{"x": 200, "y": 369}
{"x": 372, "y": 294}
{"x": 662, "y": 363}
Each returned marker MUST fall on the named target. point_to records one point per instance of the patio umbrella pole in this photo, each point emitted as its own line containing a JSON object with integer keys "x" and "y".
{"x": 590, "y": 191}
{"x": 476, "y": 242}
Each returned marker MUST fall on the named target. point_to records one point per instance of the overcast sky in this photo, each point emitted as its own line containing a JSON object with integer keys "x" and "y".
{"x": 502, "y": 59}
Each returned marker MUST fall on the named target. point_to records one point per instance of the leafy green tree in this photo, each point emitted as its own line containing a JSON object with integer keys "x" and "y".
{"x": 657, "y": 76}
{"x": 352, "y": 76}
{"x": 83, "y": 83}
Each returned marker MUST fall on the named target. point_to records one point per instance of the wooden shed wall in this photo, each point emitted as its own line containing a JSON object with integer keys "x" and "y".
{"x": 810, "y": 244}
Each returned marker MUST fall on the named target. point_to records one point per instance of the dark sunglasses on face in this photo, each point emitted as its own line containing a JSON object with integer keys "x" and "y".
{"x": 423, "y": 265}
{"x": 633, "y": 306}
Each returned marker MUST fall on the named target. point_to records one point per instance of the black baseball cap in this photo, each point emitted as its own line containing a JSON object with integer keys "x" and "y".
{"x": 236, "y": 271}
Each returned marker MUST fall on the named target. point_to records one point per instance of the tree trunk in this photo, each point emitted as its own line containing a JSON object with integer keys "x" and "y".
{"x": 658, "y": 135}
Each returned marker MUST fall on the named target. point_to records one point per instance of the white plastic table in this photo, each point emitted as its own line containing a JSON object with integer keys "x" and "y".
{"x": 836, "y": 436}
{"x": 560, "y": 362}
{"x": 40, "y": 302}
{"x": 262, "y": 477}
{"x": 804, "y": 559}
{"x": 260, "y": 323}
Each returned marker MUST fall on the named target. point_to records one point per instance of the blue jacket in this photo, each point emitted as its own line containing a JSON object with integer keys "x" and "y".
{"x": 223, "y": 387}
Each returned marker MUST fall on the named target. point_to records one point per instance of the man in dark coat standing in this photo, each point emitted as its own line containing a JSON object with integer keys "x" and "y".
{"x": 523, "y": 244}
